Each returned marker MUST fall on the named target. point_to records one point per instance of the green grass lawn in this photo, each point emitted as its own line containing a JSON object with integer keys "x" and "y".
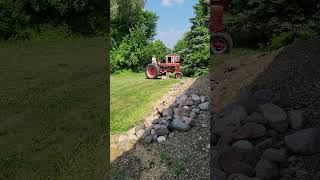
{"x": 132, "y": 98}
{"x": 52, "y": 110}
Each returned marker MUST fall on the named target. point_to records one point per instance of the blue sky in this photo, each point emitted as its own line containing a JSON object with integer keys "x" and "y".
{"x": 173, "y": 19}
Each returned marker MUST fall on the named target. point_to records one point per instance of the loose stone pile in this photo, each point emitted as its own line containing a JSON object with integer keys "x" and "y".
{"x": 255, "y": 138}
{"x": 179, "y": 116}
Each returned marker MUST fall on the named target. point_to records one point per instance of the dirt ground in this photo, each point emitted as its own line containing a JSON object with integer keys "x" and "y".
{"x": 183, "y": 156}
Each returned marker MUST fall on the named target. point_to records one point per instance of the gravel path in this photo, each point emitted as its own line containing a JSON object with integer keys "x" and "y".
{"x": 185, "y": 155}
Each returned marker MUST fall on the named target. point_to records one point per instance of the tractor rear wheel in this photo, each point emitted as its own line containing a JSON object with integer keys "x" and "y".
{"x": 152, "y": 71}
{"x": 178, "y": 75}
{"x": 221, "y": 43}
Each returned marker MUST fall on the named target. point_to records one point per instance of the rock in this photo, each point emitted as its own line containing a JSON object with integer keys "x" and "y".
{"x": 186, "y": 107}
{"x": 273, "y": 113}
{"x": 140, "y": 133}
{"x": 292, "y": 159}
{"x": 161, "y": 130}
{"x": 238, "y": 167}
{"x": 148, "y": 120}
{"x": 131, "y": 132}
{"x": 301, "y": 173}
{"x": 266, "y": 170}
{"x": 123, "y": 139}
{"x": 264, "y": 96}
{"x": 155, "y": 137}
{"x": 139, "y": 127}
{"x": 157, "y": 121}
{"x": 246, "y": 99}
{"x": 153, "y": 132}
{"x": 132, "y": 136}
{"x": 163, "y": 121}
{"x": 196, "y": 110}
{"x": 256, "y": 118}
{"x": 233, "y": 160}
{"x": 305, "y": 142}
{"x": 182, "y": 97}
{"x": 171, "y": 135}
{"x": 275, "y": 116}
{"x": 202, "y": 99}
{"x": 161, "y": 139}
{"x": 204, "y": 106}
{"x": 265, "y": 144}
{"x": 167, "y": 112}
{"x": 180, "y": 125}
{"x": 230, "y": 120}
{"x": 148, "y": 139}
{"x": 168, "y": 118}
{"x": 250, "y": 131}
{"x": 217, "y": 174}
{"x": 188, "y": 102}
{"x": 241, "y": 177}
{"x": 243, "y": 144}
{"x": 193, "y": 115}
{"x": 195, "y": 98}
{"x": 275, "y": 155}
{"x": 169, "y": 125}
{"x": 296, "y": 119}
{"x": 189, "y": 121}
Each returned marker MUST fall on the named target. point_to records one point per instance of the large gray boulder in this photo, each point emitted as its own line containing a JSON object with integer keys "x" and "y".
{"x": 276, "y": 117}
{"x": 305, "y": 142}
{"x": 178, "y": 124}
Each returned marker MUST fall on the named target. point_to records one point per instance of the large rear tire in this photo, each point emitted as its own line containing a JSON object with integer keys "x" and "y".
{"x": 221, "y": 43}
{"x": 178, "y": 75}
{"x": 152, "y": 71}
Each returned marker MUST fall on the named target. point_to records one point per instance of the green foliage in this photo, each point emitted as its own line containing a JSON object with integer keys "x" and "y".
{"x": 285, "y": 38}
{"x": 44, "y": 32}
{"x": 132, "y": 31}
{"x": 135, "y": 52}
{"x": 194, "y": 47}
{"x": 23, "y": 19}
{"x": 262, "y": 20}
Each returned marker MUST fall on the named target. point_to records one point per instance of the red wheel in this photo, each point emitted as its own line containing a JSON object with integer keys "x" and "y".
{"x": 221, "y": 43}
{"x": 178, "y": 75}
{"x": 152, "y": 71}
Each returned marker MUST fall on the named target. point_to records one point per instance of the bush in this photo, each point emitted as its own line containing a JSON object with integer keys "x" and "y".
{"x": 286, "y": 38}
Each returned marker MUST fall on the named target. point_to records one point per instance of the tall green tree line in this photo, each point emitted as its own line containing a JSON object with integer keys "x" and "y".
{"x": 132, "y": 33}
{"x": 194, "y": 46}
{"x": 20, "y": 18}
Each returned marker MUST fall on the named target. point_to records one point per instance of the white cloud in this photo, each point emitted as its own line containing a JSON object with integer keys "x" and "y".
{"x": 170, "y": 37}
{"x": 171, "y": 2}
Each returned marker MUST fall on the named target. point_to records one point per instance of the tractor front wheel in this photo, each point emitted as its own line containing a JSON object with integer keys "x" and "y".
{"x": 178, "y": 75}
{"x": 152, "y": 71}
{"x": 221, "y": 43}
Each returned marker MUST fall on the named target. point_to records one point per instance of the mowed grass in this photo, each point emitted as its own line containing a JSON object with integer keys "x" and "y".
{"x": 132, "y": 98}
{"x": 53, "y": 110}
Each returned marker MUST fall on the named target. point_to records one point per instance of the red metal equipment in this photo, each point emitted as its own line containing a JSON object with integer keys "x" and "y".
{"x": 221, "y": 42}
{"x": 170, "y": 65}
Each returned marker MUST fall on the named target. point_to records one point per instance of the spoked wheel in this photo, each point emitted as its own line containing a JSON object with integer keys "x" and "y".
{"x": 221, "y": 43}
{"x": 152, "y": 71}
{"x": 178, "y": 75}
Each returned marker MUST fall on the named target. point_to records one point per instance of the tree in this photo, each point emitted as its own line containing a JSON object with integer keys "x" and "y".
{"x": 194, "y": 46}
{"x": 261, "y": 20}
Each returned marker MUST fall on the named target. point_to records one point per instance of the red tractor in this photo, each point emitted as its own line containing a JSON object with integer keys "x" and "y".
{"x": 221, "y": 42}
{"x": 171, "y": 64}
